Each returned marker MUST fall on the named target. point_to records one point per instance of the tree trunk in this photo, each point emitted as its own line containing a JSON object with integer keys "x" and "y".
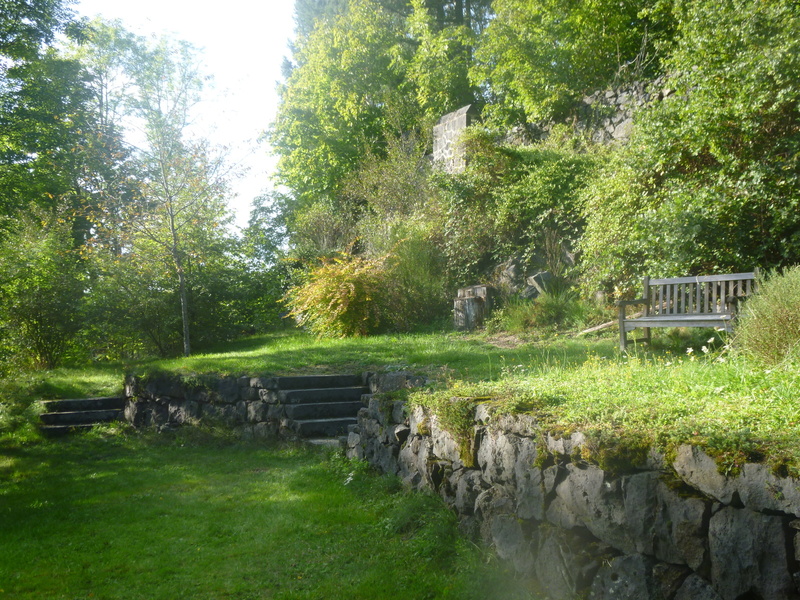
{"x": 176, "y": 256}
{"x": 187, "y": 349}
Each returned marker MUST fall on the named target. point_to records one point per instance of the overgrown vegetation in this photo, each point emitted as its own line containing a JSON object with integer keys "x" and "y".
{"x": 768, "y": 332}
{"x": 706, "y": 183}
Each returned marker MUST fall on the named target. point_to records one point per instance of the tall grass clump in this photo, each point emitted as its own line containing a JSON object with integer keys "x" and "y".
{"x": 769, "y": 326}
{"x": 553, "y": 309}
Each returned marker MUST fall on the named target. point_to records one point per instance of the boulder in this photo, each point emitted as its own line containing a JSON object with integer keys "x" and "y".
{"x": 588, "y": 496}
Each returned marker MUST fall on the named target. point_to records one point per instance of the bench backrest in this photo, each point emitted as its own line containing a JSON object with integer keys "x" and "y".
{"x": 709, "y": 294}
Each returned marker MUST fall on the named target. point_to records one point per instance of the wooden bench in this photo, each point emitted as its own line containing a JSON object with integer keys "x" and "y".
{"x": 708, "y": 301}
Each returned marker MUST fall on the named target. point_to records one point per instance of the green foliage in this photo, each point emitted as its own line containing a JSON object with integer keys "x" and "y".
{"x": 439, "y": 66}
{"x": 347, "y": 296}
{"x": 41, "y": 289}
{"x": 26, "y": 26}
{"x": 346, "y": 74}
{"x": 768, "y": 329}
{"x": 399, "y": 218}
{"x": 321, "y": 228}
{"x": 536, "y": 59}
{"x": 710, "y": 179}
{"x": 560, "y": 309}
{"x": 455, "y": 414}
{"x": 514, "y": 201}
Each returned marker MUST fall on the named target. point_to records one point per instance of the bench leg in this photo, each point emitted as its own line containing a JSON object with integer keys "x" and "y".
{"x": 647, "y": 338}
{"x": 623, "y": 338}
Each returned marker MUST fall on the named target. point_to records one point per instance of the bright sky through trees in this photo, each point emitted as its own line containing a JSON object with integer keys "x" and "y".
{"x": 243, "y": 47}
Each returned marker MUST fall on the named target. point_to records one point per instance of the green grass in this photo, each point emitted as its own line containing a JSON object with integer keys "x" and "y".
{"x": 461, "y": 356}
{"x": 661, "y": 396}
{"x": 731, "y": 407}
{"x": 194, "y": 515}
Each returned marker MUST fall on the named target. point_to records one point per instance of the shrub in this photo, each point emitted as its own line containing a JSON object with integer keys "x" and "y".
{"x": 769, "y": 325}
{"x": 347, "y": 296}
{"x": 41, "y": 290}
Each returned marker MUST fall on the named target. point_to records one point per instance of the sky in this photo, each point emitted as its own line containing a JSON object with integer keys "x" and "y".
{"x": 243, "y": 44}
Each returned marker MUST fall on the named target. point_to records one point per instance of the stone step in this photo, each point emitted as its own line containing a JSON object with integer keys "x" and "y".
{"x": 323, "y": 410}
{"x": 300, "y": 382}
{"x": 109, "y": 403}
{"x": 327, "y": 442}
{"x": 80, "y": 417}
{"x": 322, "y": 427}
{"x": 60, "y": 430}
{"x": 316, "y": 395}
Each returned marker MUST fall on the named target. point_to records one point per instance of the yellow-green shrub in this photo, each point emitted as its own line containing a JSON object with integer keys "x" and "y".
{"x": 347, "y": 296}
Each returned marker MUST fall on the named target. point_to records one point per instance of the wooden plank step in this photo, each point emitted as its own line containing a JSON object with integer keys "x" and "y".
{"x": 70, "y": 405}
{"x": 61, "y": 430}
{"x": 323, "y": 410}
{"x": 299, "y": 382}
{"x": 322, "y": 427}
{"x": 342, "y": 394}
{"x": 80, "y": 417}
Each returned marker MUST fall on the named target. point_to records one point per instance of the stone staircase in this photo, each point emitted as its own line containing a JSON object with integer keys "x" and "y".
{"x": 318, "y": 406}
{"x": 65, "y": 416}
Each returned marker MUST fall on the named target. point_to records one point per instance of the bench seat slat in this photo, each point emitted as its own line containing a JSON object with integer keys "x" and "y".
{"x": 687, "y": 320}
{"x": 703, "y": 279}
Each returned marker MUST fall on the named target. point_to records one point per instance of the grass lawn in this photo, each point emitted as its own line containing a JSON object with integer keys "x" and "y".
{"x": 114, "y": 515}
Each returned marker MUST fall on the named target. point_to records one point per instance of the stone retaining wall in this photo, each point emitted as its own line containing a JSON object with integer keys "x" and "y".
{"x": 249, "y": 404}
{"x": 246, "y": 403}
{"x": 669, "y": 530}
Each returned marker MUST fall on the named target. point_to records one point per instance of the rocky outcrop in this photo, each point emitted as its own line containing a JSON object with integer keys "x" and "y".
{"x": 666, "y": 530}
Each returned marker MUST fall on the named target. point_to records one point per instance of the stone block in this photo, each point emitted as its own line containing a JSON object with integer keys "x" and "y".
{"x": 257, "y": 411}
{"x": 589, "y": 497}
{"x": 664, "y": 524}
{"x": 565, "y": 564}
{"x": 749, "y": 555}
{"x": 511, "y": 543}
{"x": 699, "y": 470}
{"x": 468, "y": 485}
{"x": 696, "y": 588}
{"x": 636, "y": 577}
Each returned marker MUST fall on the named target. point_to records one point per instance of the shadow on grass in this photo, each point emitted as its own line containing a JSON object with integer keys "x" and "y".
{"x": 160, "y": 517}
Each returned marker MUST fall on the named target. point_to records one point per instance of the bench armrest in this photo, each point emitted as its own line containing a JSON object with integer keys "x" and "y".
{"x": 631, "y": 302}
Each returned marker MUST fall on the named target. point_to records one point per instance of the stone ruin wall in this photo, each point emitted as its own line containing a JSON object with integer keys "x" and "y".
{"x": 448, "y": 153}
{"x": 606, "y": 115}
{"x": 668, "y": 530}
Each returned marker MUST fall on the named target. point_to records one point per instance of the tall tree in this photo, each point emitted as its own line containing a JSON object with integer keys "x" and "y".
{"x": 347, "y": 75}
{"x": 176, "y": 217}
{"x": 439, "y": 68}
{"x": 182, "y": 209}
